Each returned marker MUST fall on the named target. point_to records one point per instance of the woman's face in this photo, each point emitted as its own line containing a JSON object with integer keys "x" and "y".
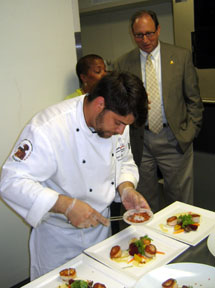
{"x": 95, "y": 72}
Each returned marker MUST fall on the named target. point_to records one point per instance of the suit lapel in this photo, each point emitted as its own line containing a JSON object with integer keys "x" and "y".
{"x": 135, "y": 66}
{"x": 166, "y": 70}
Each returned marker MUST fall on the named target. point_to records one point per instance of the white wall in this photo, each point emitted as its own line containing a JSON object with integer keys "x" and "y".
{"x": 38, "y": 58}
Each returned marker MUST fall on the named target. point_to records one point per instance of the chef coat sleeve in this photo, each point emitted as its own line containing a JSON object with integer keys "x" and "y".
{"x": 23, "y": 175}
{"x": 128, "y": 168}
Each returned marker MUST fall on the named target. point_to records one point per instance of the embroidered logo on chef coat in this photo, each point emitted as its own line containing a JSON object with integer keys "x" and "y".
{"x": 23, "y": 150}
{"x": 120, "y": 149}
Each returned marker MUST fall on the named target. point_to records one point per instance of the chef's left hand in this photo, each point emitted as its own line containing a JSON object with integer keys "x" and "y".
{"x": 132, "y": 199}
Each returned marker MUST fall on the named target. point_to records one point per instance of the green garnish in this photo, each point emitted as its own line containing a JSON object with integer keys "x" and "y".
{"x": 140, "y": 244}
{"x": 185, "y": 220}
{"x": 79, "y": 284}
{"x": 146, "y": 237}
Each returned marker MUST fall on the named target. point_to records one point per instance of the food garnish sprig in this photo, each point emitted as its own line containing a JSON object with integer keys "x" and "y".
{"x": 141, "y": 250}
{"x": 184, "y": 222}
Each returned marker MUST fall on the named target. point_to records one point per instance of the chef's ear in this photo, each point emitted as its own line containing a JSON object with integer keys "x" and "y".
{"x": 100, "y": 103}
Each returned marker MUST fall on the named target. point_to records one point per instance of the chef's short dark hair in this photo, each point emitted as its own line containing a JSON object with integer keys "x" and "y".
{"x": 124, "y": 94}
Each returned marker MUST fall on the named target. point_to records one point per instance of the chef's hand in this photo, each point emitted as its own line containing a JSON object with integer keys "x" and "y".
{"x": 79, "y": 213}
{"x": 132, "y": 199}
{"x": 83, "y": 215}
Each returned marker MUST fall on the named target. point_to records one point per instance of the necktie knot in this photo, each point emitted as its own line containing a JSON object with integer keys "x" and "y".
{"x": 149, "y": 57}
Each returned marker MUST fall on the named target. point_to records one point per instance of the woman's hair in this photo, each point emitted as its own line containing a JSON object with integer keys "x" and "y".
{"x": 141, "y": 13}
{"x": 84, "y": 64}
{"x": 124, "y": 94}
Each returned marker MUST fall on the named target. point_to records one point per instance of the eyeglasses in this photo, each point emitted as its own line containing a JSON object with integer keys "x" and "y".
{"x": 148, "y": 35}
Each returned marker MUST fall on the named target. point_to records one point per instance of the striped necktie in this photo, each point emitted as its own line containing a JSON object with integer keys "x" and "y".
{"x": 154, "y": 114}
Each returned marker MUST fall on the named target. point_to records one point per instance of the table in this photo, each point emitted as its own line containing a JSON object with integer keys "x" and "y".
{"x": 197, "y": 254}
{"x": 194, "y": 254}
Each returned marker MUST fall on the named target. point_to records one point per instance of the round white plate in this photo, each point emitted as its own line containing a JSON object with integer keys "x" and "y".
{"x": 131, "y": 212}
{"x": 211, "y": 243}
{"x": 193, "y": 274}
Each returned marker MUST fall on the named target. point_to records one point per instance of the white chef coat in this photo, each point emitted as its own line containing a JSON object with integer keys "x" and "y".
{"x": 58, "y": 153}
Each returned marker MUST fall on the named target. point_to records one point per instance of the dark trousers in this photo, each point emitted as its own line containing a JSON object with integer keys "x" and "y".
{"x": 115, "y": 209}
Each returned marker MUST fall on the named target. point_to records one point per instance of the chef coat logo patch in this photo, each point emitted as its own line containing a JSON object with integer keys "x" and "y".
{"x": 23, "y": 151}
{"x": 120, "y": 151}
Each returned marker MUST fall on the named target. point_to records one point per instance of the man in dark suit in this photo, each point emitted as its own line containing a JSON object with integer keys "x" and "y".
{"x": 170, "y": 150}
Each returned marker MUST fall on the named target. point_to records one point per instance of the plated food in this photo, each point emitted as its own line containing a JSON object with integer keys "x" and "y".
{"x": 184, "y": 222}
{"x": 133, "y": 240}
{"x": 135, "y": 217}
{"x": 69, "y": 275}
{"x": 172, "y": 283}
{"x": 204, "y": 227}
{"x": 140, "y": 251}
{"x": 179, "y": 275}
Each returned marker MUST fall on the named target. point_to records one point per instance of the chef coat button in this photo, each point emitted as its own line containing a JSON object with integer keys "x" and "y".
{"x": 91, "y": 190}
{"x": 112, "y": 183}
{"x": 112, "y": 154}
{"x": 84, "y": 161}
{"x": 77, "y": 129}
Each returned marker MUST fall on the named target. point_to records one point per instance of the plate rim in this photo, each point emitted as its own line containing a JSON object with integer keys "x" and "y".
{"x": 209, "y": 241}
{"x": 141, "y": 210}
{"x": 177, "y": 247}
{"x": 175, "y": 266}
{"x": 177, "y": 237}
{"x": 47, "y": 278}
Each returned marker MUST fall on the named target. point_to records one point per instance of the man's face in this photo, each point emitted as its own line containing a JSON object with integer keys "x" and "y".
{"x": 108, "y": 123}
{"x": 146, "y": 25}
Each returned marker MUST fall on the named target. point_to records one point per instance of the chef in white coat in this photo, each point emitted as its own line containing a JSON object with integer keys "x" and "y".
{"x": 70, "y": 162}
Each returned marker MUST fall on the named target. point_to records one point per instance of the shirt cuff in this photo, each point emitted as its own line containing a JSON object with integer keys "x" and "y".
{"x": 128, "y": 178}
{"x": 44, "y": 202}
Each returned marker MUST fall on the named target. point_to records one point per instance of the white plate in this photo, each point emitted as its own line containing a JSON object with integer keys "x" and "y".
{"x": 207, "y": 222}
{"x": 131, "y": 212}
{"x": 170, "y": 247}
{"x": 194, "y": 274}
{"x": 211, "y": 242}
{"x": 86, "y": 268}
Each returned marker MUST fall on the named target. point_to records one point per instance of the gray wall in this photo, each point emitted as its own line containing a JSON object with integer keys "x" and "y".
{"x": 107, "y": 32}
{"x": 38, "y": 58}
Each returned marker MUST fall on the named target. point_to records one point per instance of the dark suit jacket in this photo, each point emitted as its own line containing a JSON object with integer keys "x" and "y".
{"x": 181, "y": 97}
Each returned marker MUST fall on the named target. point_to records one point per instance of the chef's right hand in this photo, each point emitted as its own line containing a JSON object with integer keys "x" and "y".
{"x": 82, "y": 215}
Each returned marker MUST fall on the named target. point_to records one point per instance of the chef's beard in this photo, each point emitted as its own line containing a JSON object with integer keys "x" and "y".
{"x": 104, "y": 134}
{"x": 100, "y": 124}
